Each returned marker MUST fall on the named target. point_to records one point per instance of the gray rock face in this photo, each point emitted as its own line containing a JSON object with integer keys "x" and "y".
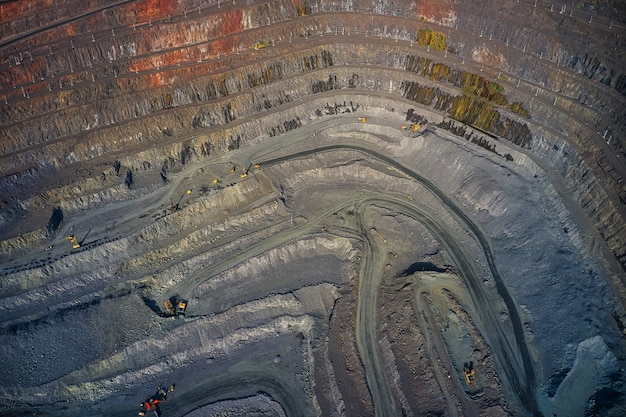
{"x": 369, "y": 208}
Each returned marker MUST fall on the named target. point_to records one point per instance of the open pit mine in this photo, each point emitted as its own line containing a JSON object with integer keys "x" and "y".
{"x": 312, "y": 208}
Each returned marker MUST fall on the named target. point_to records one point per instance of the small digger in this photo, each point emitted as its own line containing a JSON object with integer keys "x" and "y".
{"x": 152, "y": 403}
{"x": 74, "y": 240}
{"x": 175, "y": 306}
{"x": 470, "y": 373}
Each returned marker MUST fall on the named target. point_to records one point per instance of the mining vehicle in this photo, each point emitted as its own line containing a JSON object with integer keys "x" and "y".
{"x": 245, "y": 172}
{"x": 152, "y": 403}
{"x": 175, "y": 306}
{"x": 232, "y": 168}
{"x": 417, "y": 129}
{"x": 363, "y": 119}
{"x": 176, "y": 207}
{"x": 470, "y": 374}
{"x": 74, "y": 240}
{"x": 261, "y": 44}
{"x": 257, "y": 166}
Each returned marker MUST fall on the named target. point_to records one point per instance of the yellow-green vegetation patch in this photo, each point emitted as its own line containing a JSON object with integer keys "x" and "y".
{"x": 474, "y": 84}
{"x": 440, "y": 71}
{"x": 519, "y": 109}
{"x": 304, "y": 9}
{"x": 428, "y": 37}
{"x": 476, "y": 106}
{"x": 469, "y": 110}
{"x": 480, "y": 113}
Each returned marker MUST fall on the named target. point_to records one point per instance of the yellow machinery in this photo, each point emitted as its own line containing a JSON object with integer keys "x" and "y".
{"x": 232, "y": 168}
{"x": 363, "y": 119}
{"x": 245, "y": 173}
{"x": 415, "y": 127}
{"x": 257, "y": 166}
{"x": 403, "y": 127}
{"x": 261, "y": 44}
{"x": 181, "y": 307}
{"x": 75, "y": 242}
{"x": 175, "y": 310}
{"x": 470, "y": 374}
{"x": 176, "y": 207}
{"x": 215, "y": 181}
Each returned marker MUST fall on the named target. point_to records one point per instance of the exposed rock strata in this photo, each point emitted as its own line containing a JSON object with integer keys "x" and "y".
{"x": 362, "y": 264}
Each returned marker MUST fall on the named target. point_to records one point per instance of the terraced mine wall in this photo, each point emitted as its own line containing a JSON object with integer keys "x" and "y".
{"x": 179, "y": 109}
{"x": 112, "y": 107}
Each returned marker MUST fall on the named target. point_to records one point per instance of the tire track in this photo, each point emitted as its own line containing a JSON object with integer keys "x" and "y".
{"x": 514, "y": 357}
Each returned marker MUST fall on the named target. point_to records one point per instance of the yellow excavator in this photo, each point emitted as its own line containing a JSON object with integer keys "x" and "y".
{"x": 261, "y": 44}
{"x": 415, "y": 127}
{"x": 363, "y": 119}
{"x": 176, "y": 207}
{"x": 245, "y": 172}
{"x": 470, "y": 374}
{"x": 175, "y": 306}
{"x": 74, "y": 240}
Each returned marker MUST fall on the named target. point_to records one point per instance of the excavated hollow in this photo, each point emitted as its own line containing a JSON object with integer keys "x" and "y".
{"x": 419, "y": 189}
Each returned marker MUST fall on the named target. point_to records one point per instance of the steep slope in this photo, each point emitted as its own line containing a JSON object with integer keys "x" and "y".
{"x": 360, "y": 200}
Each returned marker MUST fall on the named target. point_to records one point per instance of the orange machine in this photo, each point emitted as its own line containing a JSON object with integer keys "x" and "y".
{"x": 152, "y": 403}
